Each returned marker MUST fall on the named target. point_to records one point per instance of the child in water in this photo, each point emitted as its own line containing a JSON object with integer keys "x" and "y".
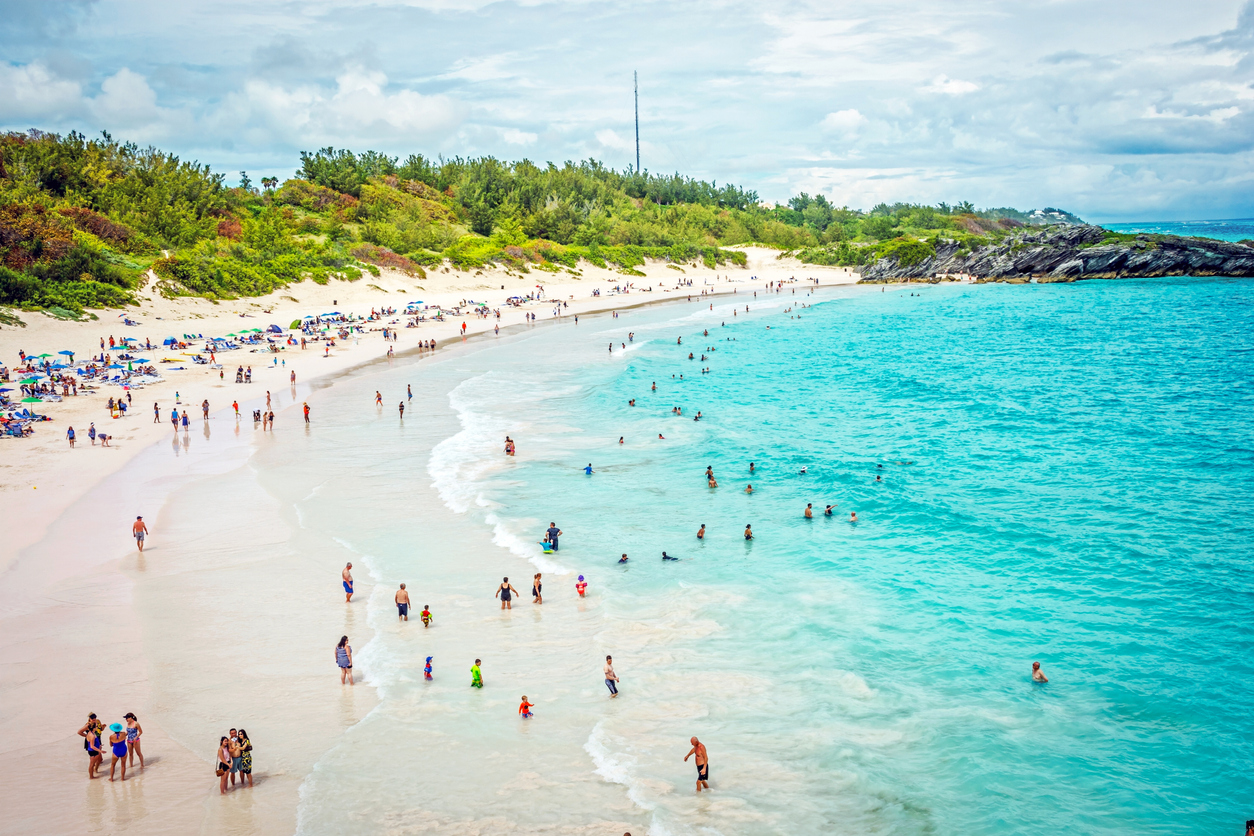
{"x": 426, "y": 671}
{"x": 525, "y": 708}
{"x": 581, "y": 586}
{"x": 426, "y": 615}
{"x": 476, "y": 675}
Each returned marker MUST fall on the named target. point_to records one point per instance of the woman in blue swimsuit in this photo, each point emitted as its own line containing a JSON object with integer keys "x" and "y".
{"x": 133, "y": 732}
{"x": 117, "y": 742}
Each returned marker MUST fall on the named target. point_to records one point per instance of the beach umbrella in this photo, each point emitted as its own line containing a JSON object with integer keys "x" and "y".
{"x": 43, "y": 355}
{"x": 169, "y": 341}
{"x": 114, "y": 366}
{"x": 31, "y": 400}
{"x": 28, "y": 381}
{"x": 6, "y": 390}
{"x": 66, "y": 352}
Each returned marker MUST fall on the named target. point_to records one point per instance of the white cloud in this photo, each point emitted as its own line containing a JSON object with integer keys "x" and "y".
{"x": 951, "y": 86}
{"x": 516, "y": 137}
{"x": 844, "y": 121}
{"x": 34, "y": 92}
{"x": 611, "y": 139}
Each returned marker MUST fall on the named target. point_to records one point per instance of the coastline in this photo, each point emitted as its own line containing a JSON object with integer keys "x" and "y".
{"x": 70, "y": 599}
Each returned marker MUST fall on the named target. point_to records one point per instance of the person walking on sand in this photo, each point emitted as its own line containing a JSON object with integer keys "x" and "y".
{"x": 402, "y": 604}
{"x": 703, "y": 763}
{"x": 69, "y": 434}
{"x": 139, "y": 531}
{"x": 133, "y": 732}
{"x": 306, "y": 412}
{"x": 536, "y": 589}
{"x": 611, "y": 678}
{"x": 117, "y": 748}
{"x": 347, "y": 576}
{"x": 344, "y": 658}
{"x": 476, "y": 675}
{"x": 224, "y": 765}
{"x": 505, "y": 591}
{"x": 204, "y": 407}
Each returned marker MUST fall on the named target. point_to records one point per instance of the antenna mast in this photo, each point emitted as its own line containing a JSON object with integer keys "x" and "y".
{"x": 635, "y": 80}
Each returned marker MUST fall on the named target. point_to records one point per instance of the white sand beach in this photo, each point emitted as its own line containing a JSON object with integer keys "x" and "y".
{"x": 209, "y": 627}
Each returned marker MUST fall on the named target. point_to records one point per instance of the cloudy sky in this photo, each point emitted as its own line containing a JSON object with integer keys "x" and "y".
{"x": 1120, "y": 110}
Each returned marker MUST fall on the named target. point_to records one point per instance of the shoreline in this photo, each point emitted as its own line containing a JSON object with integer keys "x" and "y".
{"x": 69, "y": 599}
{"x": 38, "y": 483}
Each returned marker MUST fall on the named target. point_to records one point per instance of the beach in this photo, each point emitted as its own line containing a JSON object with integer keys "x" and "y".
{"x": 189, "y": 646}
{"x": 1019, "y": 460}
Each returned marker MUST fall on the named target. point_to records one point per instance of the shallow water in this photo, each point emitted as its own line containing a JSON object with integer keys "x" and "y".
{"x": 1066, "y": 478}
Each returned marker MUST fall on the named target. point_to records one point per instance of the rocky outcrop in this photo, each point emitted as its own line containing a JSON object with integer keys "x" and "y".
{"x": 1069, "y": 253}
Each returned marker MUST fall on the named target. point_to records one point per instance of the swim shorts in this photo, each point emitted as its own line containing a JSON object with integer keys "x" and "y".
{"x": 235, "y": 764}
{"x": 703, "y": 772}
{"x": 403, "y": 608}
{"x": 348, "y": 587}
{"x": 139, "y": 535}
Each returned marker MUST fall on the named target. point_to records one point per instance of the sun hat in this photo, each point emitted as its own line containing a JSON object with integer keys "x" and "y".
{"x": 581, "y": 577}
{"x": 115, "y": 727}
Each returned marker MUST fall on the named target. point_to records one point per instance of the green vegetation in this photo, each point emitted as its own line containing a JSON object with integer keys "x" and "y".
{"x": 86, "y": 223}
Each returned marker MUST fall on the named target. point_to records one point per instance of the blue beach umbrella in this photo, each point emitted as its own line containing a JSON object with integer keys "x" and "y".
{"x": 67, "y": 353}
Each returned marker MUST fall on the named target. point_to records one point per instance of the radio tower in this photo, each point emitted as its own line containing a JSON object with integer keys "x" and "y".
{"x": 635, "y": 80}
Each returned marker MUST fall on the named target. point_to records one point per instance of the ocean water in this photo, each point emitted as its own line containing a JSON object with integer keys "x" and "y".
{"x": 1236, "y": 229}
{"x": 1064, "y": 476}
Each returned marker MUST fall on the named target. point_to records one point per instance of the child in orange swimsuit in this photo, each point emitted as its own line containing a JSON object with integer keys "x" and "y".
{"x": 525, "y": 708}
{"x": 581, "y": 586}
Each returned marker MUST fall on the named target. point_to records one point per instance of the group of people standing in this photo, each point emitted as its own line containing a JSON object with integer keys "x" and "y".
{"x": 235, "y": 757}
{"x": 123, "y": 743}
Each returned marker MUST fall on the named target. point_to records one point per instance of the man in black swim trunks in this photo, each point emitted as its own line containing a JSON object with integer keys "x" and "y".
{"x": 703, "y": 763}
{"x": 505, "y": 591}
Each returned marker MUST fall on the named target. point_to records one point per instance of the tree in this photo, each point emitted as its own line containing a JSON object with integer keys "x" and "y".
{"x": 244, "y": 182}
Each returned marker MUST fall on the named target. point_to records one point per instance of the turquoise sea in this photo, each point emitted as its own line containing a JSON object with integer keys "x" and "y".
{"x": 1066, "y": 476}
{"x": 1236, "y": 229}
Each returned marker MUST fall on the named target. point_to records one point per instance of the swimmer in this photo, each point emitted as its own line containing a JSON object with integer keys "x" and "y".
{"x": 426, "y": 670}
{"x": 853, "y": 516}
{"x": 803, "y": 469}
{"x": 828, "y": 511}
{"x": 877, "y": 478}
{"x": 588, "y": 469}
{"x": 655, "y": 386}
{"x": 751, "y": 467}
{"x": 1037, "y": 674}
{"x": 701, "y": 532}
{"x": 347, "y": 576}
{"x": 809, "y": 511}
{"x": 748, "y": 488}
{"x": 698, "y": 418}
{"x": 620, "y": 439}
{"x": 476, "y": 675}
{"x": 524, "y": 710}
{"x": 666, "y": 556}
{"x": 712, "y": 482}
{"x": 426, "y": 615}
{"x": 623, "y": 559}
{"x": 748, "y": 532}
{"x": 662, "y": 437}
{"x": 581, "y": 586}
